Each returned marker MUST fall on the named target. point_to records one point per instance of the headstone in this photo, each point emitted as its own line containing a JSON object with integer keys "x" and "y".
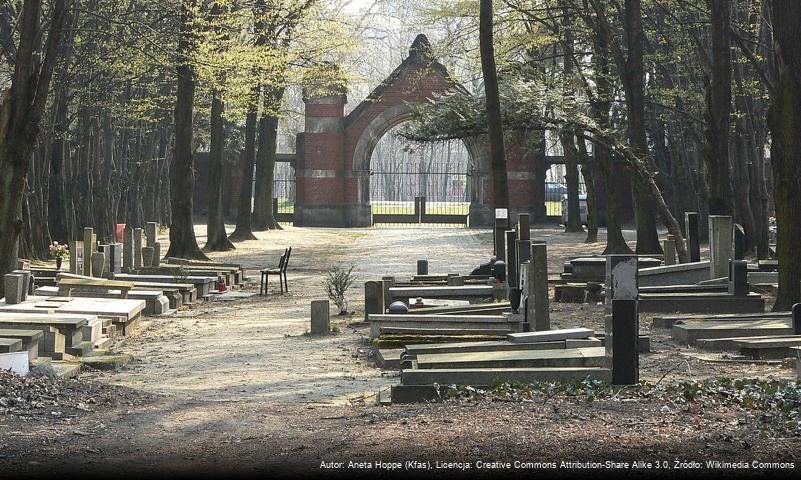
{"x": 127, "y": 251}
{"x": 501, "y": 224}
{"x": 137, "y": 247}
{"x": 26, "y": 283}
{"x": 13, "y": 283}
{"x": 23, "y": 264}
{"x": 388, "y": 282}
{"x": 669, "y": 247}
{"x": 538, "y": 301}
{"x": 151, "y": 232}
{"x": 98, "y": 263}
{"x": 511, "y": 258}
{"x": 455, "y": 280}
{"x": 693, "y": 234}
{"x": 720, "y": 245}
{"x": 76, "y": 257}
{"x": 797, "y": 319}
{"x": 147, "y": 256}
{"x": 422, "y": 267}
{"x": 373, "y": 298}
{"x": 622, "y": 326}
{"x": 320, "y": 317}
{"x": 738, "y": 278}
{"x": 524, "y": 226}
{"x": 157, "y": 254}
{"x": 739, "y": 242}
{"x": 113, "y": 253}
{"x": 523, "y": 251}
{"x": 398, "y": 307}
{"x": 88, "y": 248}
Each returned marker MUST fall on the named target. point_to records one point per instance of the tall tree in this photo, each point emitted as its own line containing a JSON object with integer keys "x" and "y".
{"x": 216, "y": 238}
{"x": 718, "y": 103}
{"x": 21, "y": 110}
{"x": 500, "y": 187}
{"x": 567, "y": 137}
{"x": 182, "y": 175}
{"x": 785, "y": 129}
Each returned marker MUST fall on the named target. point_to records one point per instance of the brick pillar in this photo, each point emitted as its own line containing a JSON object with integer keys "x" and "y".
{"x": 320, "y": 165}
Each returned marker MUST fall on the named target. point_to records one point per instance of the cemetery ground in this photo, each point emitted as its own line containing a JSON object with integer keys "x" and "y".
{"x": 238, "y": 386}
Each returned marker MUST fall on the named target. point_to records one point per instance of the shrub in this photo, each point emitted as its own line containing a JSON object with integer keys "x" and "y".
{"x": 337, "y": 281}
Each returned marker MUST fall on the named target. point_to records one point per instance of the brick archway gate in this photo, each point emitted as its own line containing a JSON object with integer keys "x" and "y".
{"x": 332, "y": 163}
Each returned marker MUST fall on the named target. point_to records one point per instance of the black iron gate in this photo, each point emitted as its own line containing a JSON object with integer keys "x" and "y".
{"x": 284, "y": 191}
{"x": 412, "y": 193}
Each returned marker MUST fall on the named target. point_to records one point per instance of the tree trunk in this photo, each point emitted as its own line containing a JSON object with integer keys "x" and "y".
{"x": 718, "y": 103}
{"x": 588, "y": 172}
{"x": 21, "y": 110}
{"x": 785, "y": 128}
{"x": 182, "y": 174}
{"x": 263, "y": 218}
{"x": 633, "y": 78}
{"x": 500, "y": 187}
{"x": 243, "y": 229}
{"x": 216, "y": 238}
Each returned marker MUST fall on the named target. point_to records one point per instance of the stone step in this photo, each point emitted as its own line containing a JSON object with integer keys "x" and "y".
{"x": 550, "y": 335}
{"x": 768, "y": 348}
{"x": 574, "y": 357}
{"x": 389, "y": 358}
{"x": 499, "y": 331}
{"x": 10, "y": 345}
{"x": 81, "y": 349}
{"x": 489, "y": 376}
{"x": 669, "y": 320}
{"x": 700, "y": 303}
{"x": 689, "y": 332}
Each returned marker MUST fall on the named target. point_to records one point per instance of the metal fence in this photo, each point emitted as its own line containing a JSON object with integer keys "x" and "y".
{"x": 284, "y": 192}
{"x": 412, "y": 193}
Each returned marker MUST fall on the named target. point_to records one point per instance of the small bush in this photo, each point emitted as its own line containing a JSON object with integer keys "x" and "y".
{"x": 337, "y": 281}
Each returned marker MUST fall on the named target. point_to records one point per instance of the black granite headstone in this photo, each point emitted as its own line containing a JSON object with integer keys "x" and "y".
{"x": 511, "y": 258}
{"x": 797, "y": 319}
{"x": 422, "y": 267}
{"x": 693, "y": 233}
{"x": 739, "y": 242}
{"x": 625, "y": 351}
{"x": 738, "y": 278}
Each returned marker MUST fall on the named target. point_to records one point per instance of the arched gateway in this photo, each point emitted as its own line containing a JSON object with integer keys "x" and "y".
{"x": 332, "y": 162}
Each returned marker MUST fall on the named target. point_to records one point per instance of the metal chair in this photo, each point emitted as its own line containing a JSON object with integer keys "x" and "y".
{"x": 265, "y": 273}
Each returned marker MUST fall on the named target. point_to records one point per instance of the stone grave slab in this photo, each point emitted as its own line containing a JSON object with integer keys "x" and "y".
{"x": 550, "y": 335}
{"x": 574, "y": 357}
{"x": 488, "y": 376}
{"x": 691, "y": 331}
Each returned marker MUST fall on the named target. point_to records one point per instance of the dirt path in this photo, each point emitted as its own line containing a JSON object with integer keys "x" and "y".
{"x": 237, "y": 386}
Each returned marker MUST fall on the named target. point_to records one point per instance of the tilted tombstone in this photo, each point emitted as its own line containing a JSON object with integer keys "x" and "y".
{"x": 622, "y": 326}
{"x": 720, "y": 245}
{"x": 693, "y": 233}
{"x": 373, "y": 298}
